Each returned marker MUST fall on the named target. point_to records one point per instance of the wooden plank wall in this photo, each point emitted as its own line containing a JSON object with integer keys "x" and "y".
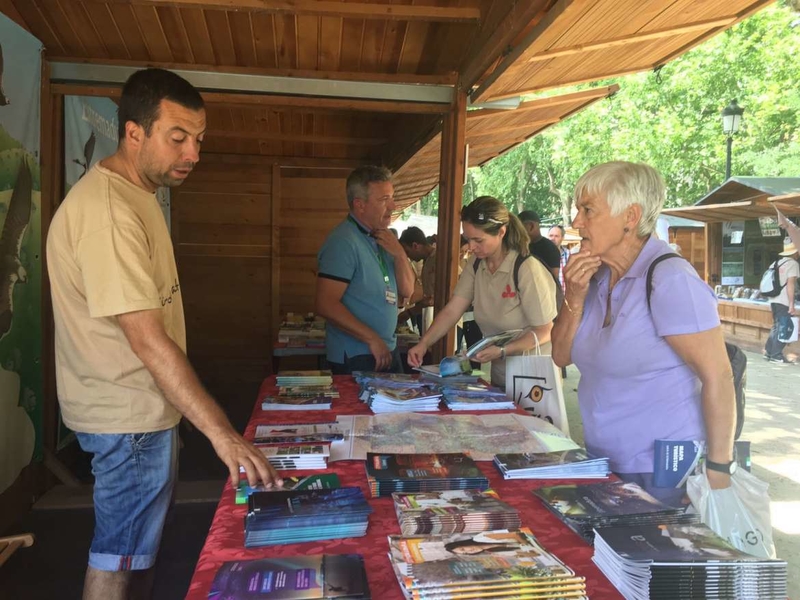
{"x": 222, "y": 233}
{"x": 311, "y": 205}
{"x": 692, "y": 242}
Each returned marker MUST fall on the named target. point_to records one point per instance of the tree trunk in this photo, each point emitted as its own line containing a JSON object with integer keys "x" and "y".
{"x": 521, "y": 178}
{"x": 564, "y": 198}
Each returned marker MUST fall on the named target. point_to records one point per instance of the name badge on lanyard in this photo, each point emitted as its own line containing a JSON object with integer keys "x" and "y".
{"x": 391, "y": 296}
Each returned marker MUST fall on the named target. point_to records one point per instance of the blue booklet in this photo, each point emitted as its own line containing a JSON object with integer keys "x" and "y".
{"x": 675, "y": 460}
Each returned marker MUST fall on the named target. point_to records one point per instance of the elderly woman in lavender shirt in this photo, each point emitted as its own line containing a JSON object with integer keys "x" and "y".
{"x": 646, "y": 374}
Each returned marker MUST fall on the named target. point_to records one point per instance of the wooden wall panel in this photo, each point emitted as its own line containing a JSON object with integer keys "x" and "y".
{"x": 310, "y": 208}
{"x": 692, "y": 242}
{"x": 222, "y": 232}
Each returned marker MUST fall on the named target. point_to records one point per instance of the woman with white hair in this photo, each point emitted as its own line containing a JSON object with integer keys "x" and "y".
{"x": 650, "y": 370}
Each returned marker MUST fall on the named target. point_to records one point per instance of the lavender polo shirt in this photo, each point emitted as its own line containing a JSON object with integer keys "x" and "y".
{"x": 634, "y": 388}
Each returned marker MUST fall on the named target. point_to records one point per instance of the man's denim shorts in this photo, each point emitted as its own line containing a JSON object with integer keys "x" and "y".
{"x": 135, "y": 477}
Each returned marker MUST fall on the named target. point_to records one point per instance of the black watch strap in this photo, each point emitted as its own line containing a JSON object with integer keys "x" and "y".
{"x": 727, "y": 468}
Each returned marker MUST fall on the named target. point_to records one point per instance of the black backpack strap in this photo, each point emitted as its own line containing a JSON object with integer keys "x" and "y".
{"x": 651, "y": 268}
{"x": 517, "y": 264}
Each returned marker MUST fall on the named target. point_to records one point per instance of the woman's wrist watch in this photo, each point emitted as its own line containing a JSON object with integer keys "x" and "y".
{"x": 728, "y": 468}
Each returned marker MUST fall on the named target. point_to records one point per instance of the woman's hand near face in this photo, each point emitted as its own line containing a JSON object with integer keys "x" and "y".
{"x": 577, "y": 274}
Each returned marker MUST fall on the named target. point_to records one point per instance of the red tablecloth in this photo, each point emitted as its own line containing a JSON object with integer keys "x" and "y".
{"x": 225, "y": 539}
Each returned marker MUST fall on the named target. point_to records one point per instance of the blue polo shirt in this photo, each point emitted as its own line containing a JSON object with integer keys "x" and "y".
{"x": 350, "y": 255}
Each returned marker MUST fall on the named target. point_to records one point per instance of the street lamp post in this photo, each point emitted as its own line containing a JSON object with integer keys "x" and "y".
{"x": 731, "y": 118}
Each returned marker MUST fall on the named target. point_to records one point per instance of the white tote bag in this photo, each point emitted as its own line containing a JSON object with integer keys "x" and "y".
{"x": 534, "y": 383}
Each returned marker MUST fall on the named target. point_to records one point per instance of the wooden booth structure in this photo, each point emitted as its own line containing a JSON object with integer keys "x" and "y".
{"x": 739, "y": 249}
{"x": 300, "y": 92}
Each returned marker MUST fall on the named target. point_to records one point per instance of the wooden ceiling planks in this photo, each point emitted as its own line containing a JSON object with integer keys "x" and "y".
{"x": 490, "y": 134}
{"x": 605, "y": 38}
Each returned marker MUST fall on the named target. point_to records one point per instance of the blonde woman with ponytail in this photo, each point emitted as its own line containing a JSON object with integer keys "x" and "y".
{"x": 496, "y": 238}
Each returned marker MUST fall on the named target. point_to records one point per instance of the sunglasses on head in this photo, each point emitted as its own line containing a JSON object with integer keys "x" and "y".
{"x": 478, "y": 216}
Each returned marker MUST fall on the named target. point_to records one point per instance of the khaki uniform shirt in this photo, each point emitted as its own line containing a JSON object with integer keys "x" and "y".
{"x": 499, "y": 307}
{"x": 108, "y": 253}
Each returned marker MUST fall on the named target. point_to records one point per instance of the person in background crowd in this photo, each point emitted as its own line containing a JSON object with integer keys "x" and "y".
{"x": 361, "y": 275}
{"x": 647, "y": 372}
{"x": 540, "y": 246}
{"x": 496, "y": 238}
{"x": 419, "y": 252}
{"x": 782, "y": 305}
{"x": 120, "y": 339}
{"x": 556, "y": 235}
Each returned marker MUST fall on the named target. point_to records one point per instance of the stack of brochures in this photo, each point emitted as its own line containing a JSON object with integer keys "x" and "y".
{"x": 322, "y": 481}
{"x": 297, "y": 456}
{"x": 453, "y": 511}
{"x": 371, "y": 379}
{"x": 491, "y": 564}
{"x": 567, "y": 464}
{"x": 390, "y": 473}
{"x": 432, "y": 373}
{"x": 304, "y": 378}
{"x": 668, "y": 560}
{"x": 306, "y": 433}
{"x": 475, "y": 396}
{"x": 305, "y": 516}
{"x": 319, "y": 577}
{"x": 299, "y": 402}
{"x": 413, "y": 399}
{"x": 608, "y": 504}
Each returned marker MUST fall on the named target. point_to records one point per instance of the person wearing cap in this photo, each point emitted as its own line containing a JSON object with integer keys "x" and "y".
{"x": 782, "y": 305}
{"x": 540, "y": 246}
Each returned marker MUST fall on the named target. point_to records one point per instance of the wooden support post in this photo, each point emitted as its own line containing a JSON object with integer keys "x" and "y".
{"x": 713, "y": 253}
{"x": 52, "y": 192}
{"x": 451, "y": 183}
{"x": 275, "y": 257}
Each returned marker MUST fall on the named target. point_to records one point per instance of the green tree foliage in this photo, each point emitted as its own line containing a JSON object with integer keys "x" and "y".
{"x": 670, "y": 119}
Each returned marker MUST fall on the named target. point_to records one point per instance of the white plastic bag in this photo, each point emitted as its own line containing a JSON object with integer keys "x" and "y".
{"x": 740, "y": 513}
{"x": 534, "y": 384}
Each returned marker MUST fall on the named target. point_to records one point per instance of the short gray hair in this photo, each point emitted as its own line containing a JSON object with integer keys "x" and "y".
{"x": 358, "y": 181}
{"x": 624, "y": 184}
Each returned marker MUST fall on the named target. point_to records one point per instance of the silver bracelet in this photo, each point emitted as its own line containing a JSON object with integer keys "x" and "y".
{"x": 503, "y": 352}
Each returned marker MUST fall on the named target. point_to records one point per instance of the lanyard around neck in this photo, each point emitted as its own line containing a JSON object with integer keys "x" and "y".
{"x": 378, "y": 252}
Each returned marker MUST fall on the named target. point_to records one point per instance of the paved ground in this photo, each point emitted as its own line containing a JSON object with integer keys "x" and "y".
{"x": 772, "y": 424}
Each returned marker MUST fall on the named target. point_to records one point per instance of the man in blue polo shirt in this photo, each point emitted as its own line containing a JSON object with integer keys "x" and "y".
{"x": 362, "y": 273}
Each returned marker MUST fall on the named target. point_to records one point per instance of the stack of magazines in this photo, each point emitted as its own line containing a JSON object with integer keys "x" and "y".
{"x": 297, "y": 516}
{"x": 453, "y": 511}
{"x": 586, "y": 507}
{"x": 319, "y": 402}
{"x": 372, "y": 379}
{"x": 492, "y": 564}
{"x": 475, "y": 396}
{"x": 319, "y": 577}
{"x": 668, "y": 560}
{"x": 304, "y": 378}
{"x": 390, "y": 473}
{"x": 321, "y": 481}
{"x": 567, "y": 464}
{"x": 412, "y": 399}
{"x": 298, "y": 456}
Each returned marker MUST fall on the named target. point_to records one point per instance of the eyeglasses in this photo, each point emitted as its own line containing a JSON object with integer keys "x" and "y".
{"x": 480, "y": 217}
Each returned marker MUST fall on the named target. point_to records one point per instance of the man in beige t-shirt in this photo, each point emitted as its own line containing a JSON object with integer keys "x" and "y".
{"x": 121, "y": 368}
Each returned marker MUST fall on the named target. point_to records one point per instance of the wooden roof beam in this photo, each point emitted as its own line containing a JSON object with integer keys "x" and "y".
{"x": 324, "y": 8}
{"x": 561, "y": 9}
{"x": 412, "y": 78}
{"x": 492, "y": 45}
{"x": 268, "y": 136}
{"x": 250, "y": 100}
{"x": 633, "y": 38}
{"x": 539, "y": 103}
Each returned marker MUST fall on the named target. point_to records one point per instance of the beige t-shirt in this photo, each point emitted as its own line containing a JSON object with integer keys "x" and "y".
{"x": 787, "y": 268}
{"x": 109, "y": 253}
{"x": 499, "y": 307}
